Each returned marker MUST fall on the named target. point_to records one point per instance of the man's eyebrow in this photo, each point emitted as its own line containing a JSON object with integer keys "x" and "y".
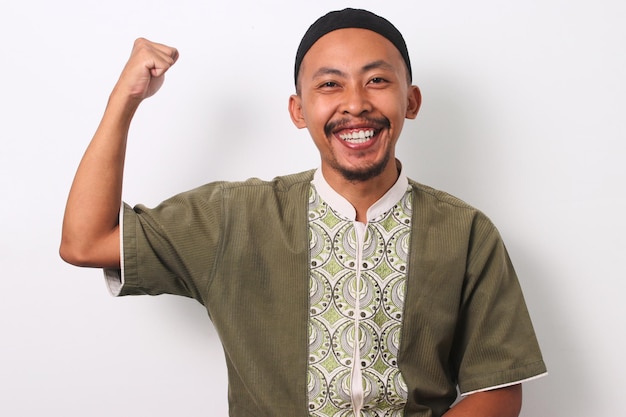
{"x": 380, "y": 64}
{"x": 328, "y": 71}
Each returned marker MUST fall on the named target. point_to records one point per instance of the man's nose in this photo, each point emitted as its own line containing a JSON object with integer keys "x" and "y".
{"x": 355, "y": 101}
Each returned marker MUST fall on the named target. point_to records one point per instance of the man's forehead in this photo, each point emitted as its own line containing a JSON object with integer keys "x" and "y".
{"x": 375, "y": 52}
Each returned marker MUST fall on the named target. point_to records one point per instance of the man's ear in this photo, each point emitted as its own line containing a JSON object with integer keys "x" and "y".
{"x": 295, "y": 111}
{"x": 414, "y": 98}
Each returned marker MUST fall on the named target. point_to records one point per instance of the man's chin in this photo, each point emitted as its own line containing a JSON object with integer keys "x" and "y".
{"x": 362, "y": 174}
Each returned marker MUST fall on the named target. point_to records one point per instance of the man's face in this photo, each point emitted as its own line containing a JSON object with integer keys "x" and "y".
{"x": 353, "y": 97}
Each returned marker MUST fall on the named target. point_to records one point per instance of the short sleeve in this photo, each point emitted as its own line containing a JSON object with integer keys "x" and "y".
{"x": 169, "y": 249}
{"x": 495, "y": 344}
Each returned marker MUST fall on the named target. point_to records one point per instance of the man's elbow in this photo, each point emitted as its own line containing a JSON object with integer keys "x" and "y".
{"x": 73, "y": 254}
{"x": 106, "y": 254}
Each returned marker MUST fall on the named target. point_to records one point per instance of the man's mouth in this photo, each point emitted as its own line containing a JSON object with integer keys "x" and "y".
{"x": 357, "y": 136}
{"x": 356, "y": 132}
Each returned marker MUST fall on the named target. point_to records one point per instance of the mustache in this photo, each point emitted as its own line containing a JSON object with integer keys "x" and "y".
{"x": 375, "y": 122}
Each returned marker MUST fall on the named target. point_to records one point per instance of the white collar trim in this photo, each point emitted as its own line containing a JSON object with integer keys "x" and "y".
{"x": 343, "y": 206}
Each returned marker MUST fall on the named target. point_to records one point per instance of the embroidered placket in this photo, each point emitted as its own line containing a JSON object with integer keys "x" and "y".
{"x": 356, "y": 381}
{"x": 357, "y": 285}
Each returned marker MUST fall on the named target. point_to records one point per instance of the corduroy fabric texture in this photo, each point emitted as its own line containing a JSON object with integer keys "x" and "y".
{"x": 242, "y": 250}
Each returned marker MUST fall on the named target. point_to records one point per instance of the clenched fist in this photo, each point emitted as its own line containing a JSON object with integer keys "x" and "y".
{"x": 144, "y": 72}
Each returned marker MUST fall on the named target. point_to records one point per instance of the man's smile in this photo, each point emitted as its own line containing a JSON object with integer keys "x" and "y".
{"x": 356, "y": 132}
{"x": 357, "y": 136}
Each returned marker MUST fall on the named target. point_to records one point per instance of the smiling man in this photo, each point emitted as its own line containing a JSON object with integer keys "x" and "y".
{"x": 349, "y": 290}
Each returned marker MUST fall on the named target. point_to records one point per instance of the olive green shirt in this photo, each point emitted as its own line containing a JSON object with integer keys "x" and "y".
{"x": 242, "y": 250}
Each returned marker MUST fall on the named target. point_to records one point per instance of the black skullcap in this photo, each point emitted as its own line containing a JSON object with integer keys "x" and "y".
{"x": 351, "y": 18}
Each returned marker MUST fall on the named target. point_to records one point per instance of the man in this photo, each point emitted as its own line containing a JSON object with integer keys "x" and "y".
{"x": 346, "y": 291}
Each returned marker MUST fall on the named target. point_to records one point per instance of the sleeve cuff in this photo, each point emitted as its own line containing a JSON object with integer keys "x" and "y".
{"x": 114, "y": 278}
{"x": 503, "y": 379}
{"x": 508, "y": 384}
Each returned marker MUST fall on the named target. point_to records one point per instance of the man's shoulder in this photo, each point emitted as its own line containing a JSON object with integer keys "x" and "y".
{"x": 439, "y": 206}
{"x": 253, "y": 184}
{"x": 450, "y": 220}
{"x": 278, "y": 183}
{"x": 430, "y": 195}
{"x": 281, "y": 182}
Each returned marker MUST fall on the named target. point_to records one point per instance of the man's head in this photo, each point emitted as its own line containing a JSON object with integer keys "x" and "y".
{"x": 353, "y": 95}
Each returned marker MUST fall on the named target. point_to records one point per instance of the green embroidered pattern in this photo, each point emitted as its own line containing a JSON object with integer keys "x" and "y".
{"x": 339, "y": 290}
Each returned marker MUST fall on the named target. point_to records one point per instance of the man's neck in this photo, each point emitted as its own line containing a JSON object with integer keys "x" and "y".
{"x": 363, "y": 194}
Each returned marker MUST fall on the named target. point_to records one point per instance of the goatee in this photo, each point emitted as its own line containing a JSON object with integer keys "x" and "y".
{"x": 365, "y": 173}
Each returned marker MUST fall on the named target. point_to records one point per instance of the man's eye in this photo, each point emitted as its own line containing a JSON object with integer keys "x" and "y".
{"x": 329, "y": 84}
{"x": 377, "y": 80}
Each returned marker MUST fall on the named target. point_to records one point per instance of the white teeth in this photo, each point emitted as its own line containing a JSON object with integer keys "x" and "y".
{"x": 360, "y": 136}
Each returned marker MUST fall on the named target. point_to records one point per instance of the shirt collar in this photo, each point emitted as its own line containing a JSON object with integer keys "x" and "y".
{"x": 343, "y": 206}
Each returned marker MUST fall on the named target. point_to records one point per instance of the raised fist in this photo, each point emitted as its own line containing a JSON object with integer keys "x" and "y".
{"x": 144, "y": 72}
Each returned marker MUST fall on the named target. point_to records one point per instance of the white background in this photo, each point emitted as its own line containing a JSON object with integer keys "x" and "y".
{"x": 523, "y": 116}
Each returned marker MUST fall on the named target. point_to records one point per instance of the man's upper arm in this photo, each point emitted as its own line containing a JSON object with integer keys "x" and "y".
{"x": 501, "y": 402}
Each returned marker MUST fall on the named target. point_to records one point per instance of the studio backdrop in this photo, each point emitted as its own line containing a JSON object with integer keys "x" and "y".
{"x": 523, "y": 116}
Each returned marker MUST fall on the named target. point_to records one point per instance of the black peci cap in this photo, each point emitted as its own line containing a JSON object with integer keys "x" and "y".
{"x": 351, "y": 18}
